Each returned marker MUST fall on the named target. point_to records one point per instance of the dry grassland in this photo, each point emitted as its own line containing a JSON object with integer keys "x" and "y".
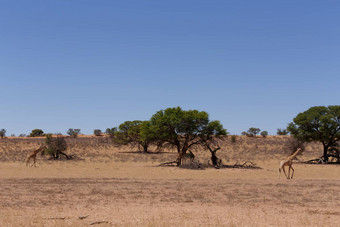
{"x": 117, "y": 186}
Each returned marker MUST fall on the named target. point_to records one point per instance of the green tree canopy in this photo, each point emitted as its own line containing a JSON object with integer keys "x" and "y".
{"x": 184, "y": 129}
{"x": 264, "y": 133}
{"x": 253, "y": 131}
{"x": 73, "y": 132}
{"x": 134, "y": 133}
{"x": 97, "y": 132}
{"x": 319, "y": 123}
{"x": 36, "y": 132}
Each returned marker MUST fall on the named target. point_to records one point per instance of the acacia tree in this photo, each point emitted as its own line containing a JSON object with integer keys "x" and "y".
{"x": 36, "y": 132}
{"x": 253, "y": 131}
{"x": 134, "y": 133}
{"x": 73, "y": 132}
{"x": 319, "y": 123}
{"x": 184, "y": 130}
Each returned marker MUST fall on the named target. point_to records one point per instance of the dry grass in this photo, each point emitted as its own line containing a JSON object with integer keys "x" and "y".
{"x": 102, "y": 149}
{"x": 120, "y": 187}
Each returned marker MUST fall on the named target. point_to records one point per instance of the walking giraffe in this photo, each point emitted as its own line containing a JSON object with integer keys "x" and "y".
{"x": 288, "y": 162}
{"x": 33, "y": 155}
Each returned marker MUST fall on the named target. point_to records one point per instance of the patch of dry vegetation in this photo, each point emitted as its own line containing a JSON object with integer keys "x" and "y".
{"x": 102, "y": 149}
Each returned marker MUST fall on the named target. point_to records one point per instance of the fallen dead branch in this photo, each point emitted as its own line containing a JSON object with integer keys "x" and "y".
{"x": 169, "y": 163}
{"x": 83, "y": 217}
{"x": 192, "y": 165}
{"x": 245, "y": 165}
{"x": 99, "y": 222}
{"x": 314, "y": 161}
{"x": 320, "y": 160}
{"x": 61, "y": 218}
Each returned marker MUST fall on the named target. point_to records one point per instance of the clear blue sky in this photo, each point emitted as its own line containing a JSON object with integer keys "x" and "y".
{"x": 94, "y": 64}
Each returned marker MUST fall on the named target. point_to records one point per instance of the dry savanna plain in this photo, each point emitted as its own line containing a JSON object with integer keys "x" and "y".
{"x": 107, "y": 185}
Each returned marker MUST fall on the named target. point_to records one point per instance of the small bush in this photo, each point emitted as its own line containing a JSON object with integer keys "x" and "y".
{"x": 281, "y": 132}
{"x": 56, "y": 146}
{"x": 245, "y": 134}
{"x": 97, "y": 132}
{"x": 264, "y": 134}
{"x": 233, "y": 138}
{"x": 2, "y": 133}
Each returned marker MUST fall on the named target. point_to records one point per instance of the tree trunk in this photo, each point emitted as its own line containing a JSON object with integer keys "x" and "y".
{"x": 180, "y": 157}
{"x": 145, "y": 148}
{"x": 325, "y": 154}
{"x": 214, "y": 158}
{"x": 67, "y": 157}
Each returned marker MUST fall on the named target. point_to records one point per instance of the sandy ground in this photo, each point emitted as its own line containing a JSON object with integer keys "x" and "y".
{"x": 130, "y": 193}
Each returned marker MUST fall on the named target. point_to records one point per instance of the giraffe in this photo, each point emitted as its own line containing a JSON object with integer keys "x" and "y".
{"x": 33, "y": 155}
{"x": 288, "y": 162}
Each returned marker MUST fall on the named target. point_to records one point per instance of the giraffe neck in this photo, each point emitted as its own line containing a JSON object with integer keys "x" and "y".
{"x": 294, "y": 155}
{"x": 39, "y": 150}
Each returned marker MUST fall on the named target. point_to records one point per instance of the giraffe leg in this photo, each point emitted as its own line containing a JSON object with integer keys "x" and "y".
{"x": 279, "y": 172}
{"x": 28, "y": 161}
{"x": 292, "y": 172}
{"x": 34, "y": 162}
{"x": 288, "y": 172}
{"x": 283, "y": 168}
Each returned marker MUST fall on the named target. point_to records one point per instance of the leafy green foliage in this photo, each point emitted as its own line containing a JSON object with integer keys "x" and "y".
{"x": 253, "y": 131}
{"x": 111, "y": 131}
{"x": 36, "y": 132}
{"x": 318, "y": 123}
{"x": 134, "y": 133}
{"x": 264, "y": 134}
{"x": 2, "y": 133}
{"x": 73, "y": 132}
